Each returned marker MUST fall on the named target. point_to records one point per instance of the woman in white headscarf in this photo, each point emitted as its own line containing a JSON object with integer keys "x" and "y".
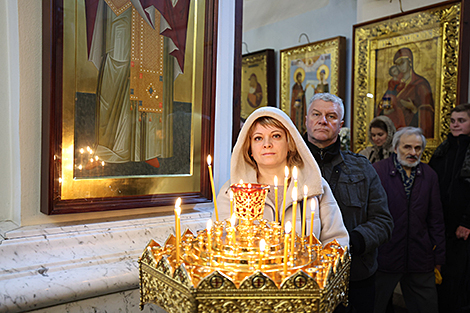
{"x": 267, "y": 143}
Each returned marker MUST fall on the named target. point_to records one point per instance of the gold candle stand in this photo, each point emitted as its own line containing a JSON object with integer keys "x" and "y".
{"x": 225, "y": 277}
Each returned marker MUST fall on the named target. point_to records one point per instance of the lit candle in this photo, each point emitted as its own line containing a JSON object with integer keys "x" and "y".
{"x": 294, "y": 176}
{"x": 294, "y": 218}
{"x": 262, "y": 246}
{"x": 286, "y": 177}
{"x": 275, "y": 198}
{"x": 209, "y": 239}
{"x": 231, "y": 202}
{"x": 233, "y": 221}
{"x": 304, "y": 217}
{"x": 286, "y": 246}
{"x": 209, "y": 161}
{"x": 177, "y": 226}
{"x": 312, "y": 215}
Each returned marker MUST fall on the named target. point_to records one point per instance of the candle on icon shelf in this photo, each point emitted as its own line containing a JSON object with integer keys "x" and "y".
{"x": 283, "y": 208}
{"x": 209, "y": 161}
{"x": 312, "y": 215}
{"x": 304, "y": 211}
{"x": 294, "y": 219}
{"x": 286, "y": 245}
{"x": 276, "y": 199}
{"x": 262, "y": 247}
{"x": 178, "y": 231}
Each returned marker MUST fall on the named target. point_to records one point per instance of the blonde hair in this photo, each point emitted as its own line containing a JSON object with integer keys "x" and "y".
{"x": 293, "y": 155}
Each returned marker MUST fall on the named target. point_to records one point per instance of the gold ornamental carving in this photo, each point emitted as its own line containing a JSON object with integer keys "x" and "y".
{"x": 225, "y": 268}
{"x": 436, "y": 29}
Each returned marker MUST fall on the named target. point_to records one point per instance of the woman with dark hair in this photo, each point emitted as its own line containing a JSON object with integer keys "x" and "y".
{"x": 267, "y": 143}
{"x": 381, "y": 131}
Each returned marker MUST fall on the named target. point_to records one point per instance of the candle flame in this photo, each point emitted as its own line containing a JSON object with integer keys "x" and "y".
{"x": 88, "y": 148}
{"x": 178, "y": 203}
{"x": 102, "y": 163}
{"x": 294, "y": 194}
{"x": 262, "y": 245}
{"x": 288, "y": 227}
{"x": 314, "y": 204}
{"x": 209, "y": 226}
{"x": 81, "y": 151}
{"x": 233, "y": 220}
{"x": 286, "y": 171}
{"x": 96, "y": 158}
{"x": 275, "y": 180}
{"x": 178, "y": 211}
{"x": 209, "y": 160}
{"x": 294, "y": 172}
{"x": 91, "y": 160}
{"x": 305, "y": 190}
{"x": 80, "y": 167}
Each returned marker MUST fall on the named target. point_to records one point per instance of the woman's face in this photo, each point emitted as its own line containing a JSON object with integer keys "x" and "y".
{"x": 379, "y": 136}
{"x": 269, "y": 147}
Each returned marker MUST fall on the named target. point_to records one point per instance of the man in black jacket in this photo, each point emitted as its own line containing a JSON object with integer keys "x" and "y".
{"x": 451, "y": 161}
{"x": 359, "y": 193}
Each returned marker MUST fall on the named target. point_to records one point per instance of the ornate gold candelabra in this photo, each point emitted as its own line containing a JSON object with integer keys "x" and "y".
{"x": 244, "y": 267}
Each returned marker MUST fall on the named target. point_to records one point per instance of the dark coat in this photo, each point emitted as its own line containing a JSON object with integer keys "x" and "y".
{"x": 418, "y": 242}
{"x": 363, "y": 204}
{"x": 451, "y": 161}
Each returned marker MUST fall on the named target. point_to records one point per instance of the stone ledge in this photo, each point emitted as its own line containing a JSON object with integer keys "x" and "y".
{"x": 47, "y": 266}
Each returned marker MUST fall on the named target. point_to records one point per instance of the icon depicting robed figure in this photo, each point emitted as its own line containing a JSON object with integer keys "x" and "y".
{"x": 255, "y": 93}
{"x": 414, "y": 95}
{"x": 298, "y": 107}
{"x": 138, "y": 47}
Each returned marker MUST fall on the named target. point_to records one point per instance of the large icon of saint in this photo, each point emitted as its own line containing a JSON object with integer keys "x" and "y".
{"x": 138, "y": 47}
{"x": 255, "y": 92}
{"x": 298, "y": 103}
{"x": 408, "y": 100}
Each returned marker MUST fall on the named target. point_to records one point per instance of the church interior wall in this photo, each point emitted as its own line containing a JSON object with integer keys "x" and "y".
{"x": 93, "y": 256}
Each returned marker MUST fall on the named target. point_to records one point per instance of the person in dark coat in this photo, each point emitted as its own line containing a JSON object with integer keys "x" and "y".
{"x": 451, "y": 161}
{"x": 360, "y": 196}
{"x": 417, "y": 245}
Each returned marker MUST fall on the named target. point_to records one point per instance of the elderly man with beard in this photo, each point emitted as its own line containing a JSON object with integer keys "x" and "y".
{"x": 417, "y": 245}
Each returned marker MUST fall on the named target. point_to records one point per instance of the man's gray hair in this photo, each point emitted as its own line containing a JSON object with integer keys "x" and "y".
{"x": 327, "y": 97}
{"x": 408, "y": 131}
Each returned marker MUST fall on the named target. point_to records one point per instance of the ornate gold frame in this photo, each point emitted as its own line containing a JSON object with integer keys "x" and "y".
{"x": 434, "y": 35}
{"x": 334, "y": 47}
{"x": 64, "y": 49}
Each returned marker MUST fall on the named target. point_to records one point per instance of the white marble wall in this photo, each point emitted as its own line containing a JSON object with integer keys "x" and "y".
{"x": 46, "y": 266}
{"x": 126, "y": 301}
